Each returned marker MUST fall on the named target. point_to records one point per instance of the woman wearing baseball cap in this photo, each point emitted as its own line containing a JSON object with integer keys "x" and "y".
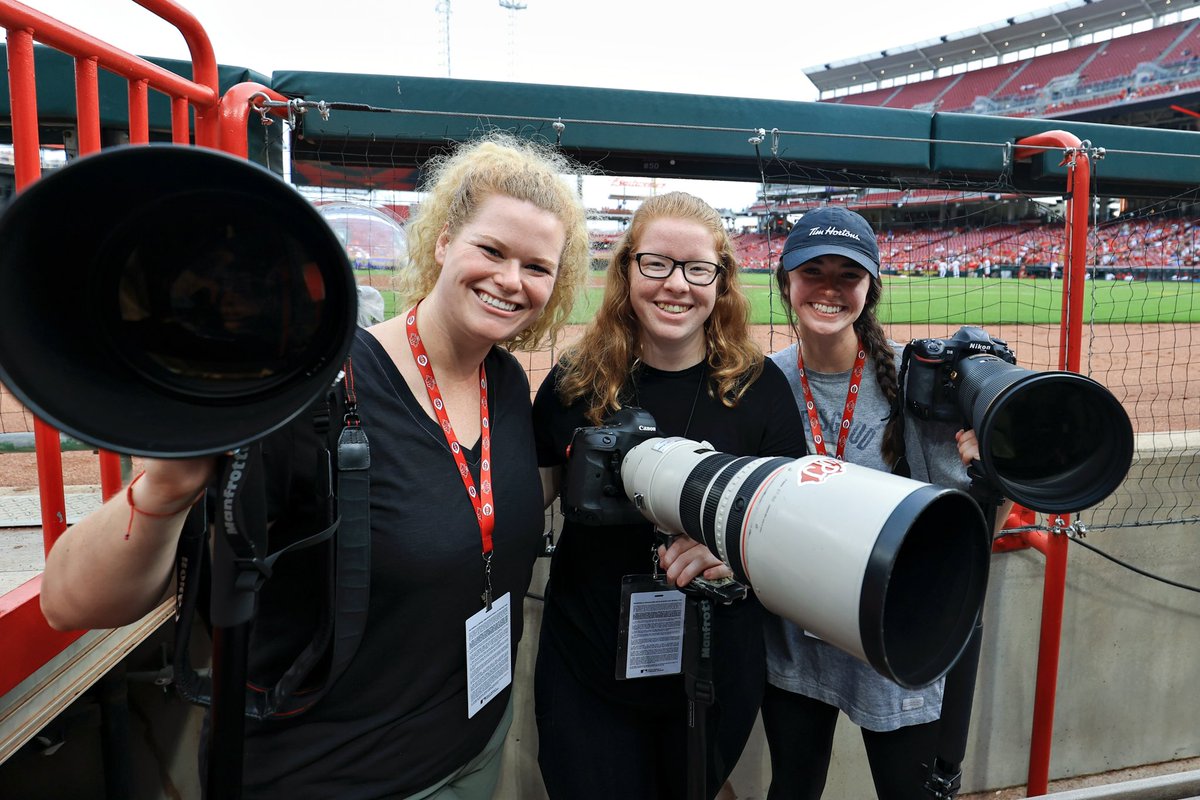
{"x": 843, "y": 374}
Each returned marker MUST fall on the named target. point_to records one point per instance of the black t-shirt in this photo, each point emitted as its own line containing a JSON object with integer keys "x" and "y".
{"x": 396, "y": 721}
{"x": 583, "y": 594}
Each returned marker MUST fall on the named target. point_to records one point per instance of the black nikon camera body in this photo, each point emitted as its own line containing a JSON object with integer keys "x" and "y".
{"x": 592, "y": 492}
{"x": 934, "y": 373}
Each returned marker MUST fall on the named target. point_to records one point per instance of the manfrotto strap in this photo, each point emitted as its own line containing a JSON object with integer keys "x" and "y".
{"x": 342, "y": 619}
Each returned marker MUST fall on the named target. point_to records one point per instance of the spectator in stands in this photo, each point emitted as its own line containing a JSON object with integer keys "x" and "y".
{"x": 497, "y": 250}
{"x": 829, "y": 279}
{"x": 670, "y": 337}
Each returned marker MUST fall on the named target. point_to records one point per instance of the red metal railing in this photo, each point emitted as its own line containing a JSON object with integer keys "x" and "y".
{"x": 219, "y": 122}
{"x": 1050, "y": 544}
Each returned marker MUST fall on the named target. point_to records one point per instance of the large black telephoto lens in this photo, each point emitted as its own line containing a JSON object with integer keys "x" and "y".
{"x": 170, "y": 301}
{"x": 1055, "y": 442}
{"x": 891, "y": 570}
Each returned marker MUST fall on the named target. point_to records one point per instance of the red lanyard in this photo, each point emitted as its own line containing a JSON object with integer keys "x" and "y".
{"x": 847, "y": 413}
{"x": 482, "y": 499}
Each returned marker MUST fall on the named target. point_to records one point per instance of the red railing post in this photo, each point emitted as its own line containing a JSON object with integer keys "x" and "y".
{"x": 22, "y": 82}
{"x": 87, "y": 127}
{"x": 1053, "y": 545}
{"x": 234, "y": 112}
{"x": 23, "y": 629}
{"x": 27, "y": 165}
{"x": 204, "y": 64}
{"x": 139, "y": 112}
{"x": 87, "y": 104}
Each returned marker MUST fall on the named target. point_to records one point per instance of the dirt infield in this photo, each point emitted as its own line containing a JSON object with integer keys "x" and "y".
{"x": 1147, "y": 367}
{"x": 1152, "y": 369}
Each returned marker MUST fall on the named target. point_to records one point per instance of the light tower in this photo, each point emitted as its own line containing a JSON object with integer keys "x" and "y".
{"x": 443, "y": 10}
{"x": 512, "y": 6}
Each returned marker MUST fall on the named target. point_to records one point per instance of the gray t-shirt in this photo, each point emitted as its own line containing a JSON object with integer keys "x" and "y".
{"x": 811, "y": 667}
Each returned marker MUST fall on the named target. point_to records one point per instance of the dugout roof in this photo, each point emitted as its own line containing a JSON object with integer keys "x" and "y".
{"x": 696, "y": 136}
{"x": 658, "y": 134}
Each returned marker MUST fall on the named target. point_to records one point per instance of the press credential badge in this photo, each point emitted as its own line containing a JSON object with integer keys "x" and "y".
{"x": 489, "y": 654}
{"x": 650, "y": 636}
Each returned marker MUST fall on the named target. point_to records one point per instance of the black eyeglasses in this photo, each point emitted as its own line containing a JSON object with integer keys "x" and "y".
{"x": 659, "y": 268}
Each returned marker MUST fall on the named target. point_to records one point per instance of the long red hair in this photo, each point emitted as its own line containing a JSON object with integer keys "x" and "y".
{"x": 599, "y": 365}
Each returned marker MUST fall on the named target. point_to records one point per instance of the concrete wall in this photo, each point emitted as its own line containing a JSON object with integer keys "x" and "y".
{"x": 1130, "y": 645}
{"x": 1130, "y": 656}
{"x": 1126, "y": 692}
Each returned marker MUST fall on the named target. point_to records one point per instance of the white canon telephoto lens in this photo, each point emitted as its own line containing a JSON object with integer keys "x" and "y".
{"x": 890, "y": 570}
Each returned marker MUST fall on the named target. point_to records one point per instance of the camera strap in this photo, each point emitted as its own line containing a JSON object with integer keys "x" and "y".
{"x": 901, "y": 467}
{"x": 342, "y": 617}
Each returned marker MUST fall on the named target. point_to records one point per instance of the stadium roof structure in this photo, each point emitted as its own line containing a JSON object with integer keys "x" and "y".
{"x": 1064, "y": 20}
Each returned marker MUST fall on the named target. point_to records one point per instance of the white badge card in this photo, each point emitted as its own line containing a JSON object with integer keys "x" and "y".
{"x": 650, "y": 640}
{"x": 489, "y": 654}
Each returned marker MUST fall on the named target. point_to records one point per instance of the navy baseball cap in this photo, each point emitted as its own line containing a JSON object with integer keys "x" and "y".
{"x": 832, "y": 230}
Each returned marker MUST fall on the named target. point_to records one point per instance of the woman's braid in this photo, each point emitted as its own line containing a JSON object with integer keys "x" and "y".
{"x": 878, "y": 350}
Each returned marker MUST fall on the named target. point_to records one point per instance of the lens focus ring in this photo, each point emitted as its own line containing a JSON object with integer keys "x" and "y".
{"x": 712, "y": 503}
{"x": 693, "y": 491}
{"x": 737, "y": 511}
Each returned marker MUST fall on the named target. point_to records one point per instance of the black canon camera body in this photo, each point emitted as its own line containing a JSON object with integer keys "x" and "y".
{"x": 934, "y": 374}
{"x": 592, "y": 493}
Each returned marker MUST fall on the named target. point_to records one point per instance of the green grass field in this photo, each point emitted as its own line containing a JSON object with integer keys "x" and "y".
{"x": 963, "y": 301}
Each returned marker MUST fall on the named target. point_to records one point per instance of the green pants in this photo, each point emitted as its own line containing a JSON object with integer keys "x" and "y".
{"x": 475, "y": 780}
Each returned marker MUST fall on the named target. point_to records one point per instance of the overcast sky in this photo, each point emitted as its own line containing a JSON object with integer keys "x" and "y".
{"x": 756, "y": 49}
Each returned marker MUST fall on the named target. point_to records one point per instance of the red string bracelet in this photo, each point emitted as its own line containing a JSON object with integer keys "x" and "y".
{"x": 134, "y": 510}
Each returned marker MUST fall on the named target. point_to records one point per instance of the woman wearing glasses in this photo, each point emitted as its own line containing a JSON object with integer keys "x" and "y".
{"x": 670, "y": 337}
